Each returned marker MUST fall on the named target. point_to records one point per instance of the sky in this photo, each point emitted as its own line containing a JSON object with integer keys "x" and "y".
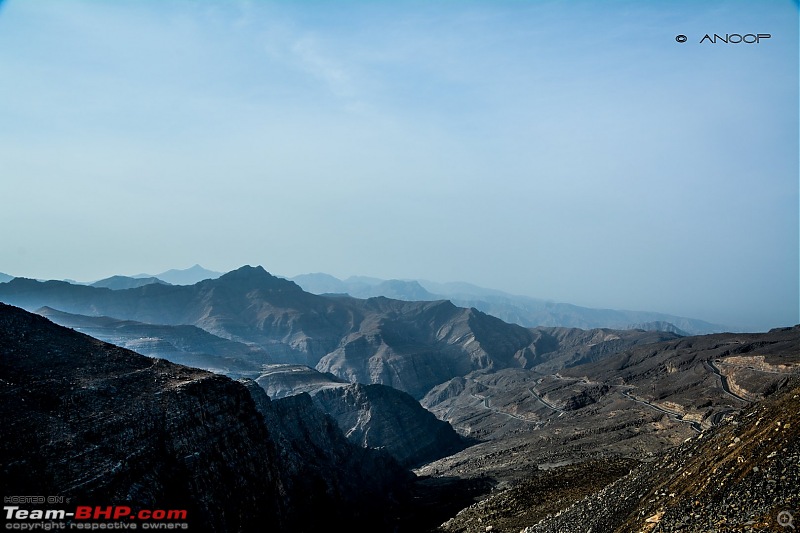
{"x": 567, "y": 150}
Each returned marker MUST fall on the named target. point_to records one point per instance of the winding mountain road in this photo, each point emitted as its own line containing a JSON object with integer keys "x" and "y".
{"x": 545, "y": 403}
{"x": 674, "y": 414}
{"x": 724, "y": 381}
{"x": 485, "y": 404}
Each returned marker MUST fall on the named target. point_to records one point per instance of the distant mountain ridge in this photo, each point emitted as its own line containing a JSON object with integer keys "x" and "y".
{"x": 125, "y": 282}
{"x": 188, "y": 276}
{"x": 5, "y": 277}
{"x": 516, "y": 309}
{"x": 522, "y": 310}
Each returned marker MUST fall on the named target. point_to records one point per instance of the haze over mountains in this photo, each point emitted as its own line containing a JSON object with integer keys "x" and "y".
{"x": 188, "y": 276}
{"x": 472, "y": 402}
{"x": 523, "y": 310}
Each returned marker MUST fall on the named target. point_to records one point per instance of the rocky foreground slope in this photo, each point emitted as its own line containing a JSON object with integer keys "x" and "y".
{"x": 742, "y": 476}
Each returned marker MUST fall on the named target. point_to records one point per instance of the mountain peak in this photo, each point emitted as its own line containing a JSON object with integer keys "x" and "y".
{"x": 247, "y": 271}
{"x": 258, "y": 277}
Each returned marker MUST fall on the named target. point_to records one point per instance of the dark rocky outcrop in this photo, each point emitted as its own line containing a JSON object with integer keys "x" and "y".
{"x": 99, "y": 424}
{"x": 326, "y": 475}
{"x": 103, "y": 425}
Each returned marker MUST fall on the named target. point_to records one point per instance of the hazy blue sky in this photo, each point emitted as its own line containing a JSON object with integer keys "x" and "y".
{"x": 570, "y": 150}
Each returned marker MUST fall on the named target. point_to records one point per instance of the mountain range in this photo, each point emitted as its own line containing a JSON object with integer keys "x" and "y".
{"x": 516, "y": 309}
{"x": 411, "y": 346}
{"x": 536, "y": 422}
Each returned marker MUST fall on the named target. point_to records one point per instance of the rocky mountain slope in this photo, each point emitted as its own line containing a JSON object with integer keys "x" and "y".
{"x": 743, "y": 476}
{"x": 701, "y": 377}
{"x": 98, "y": 423}
{"x": 102, "y": 425}
{"x": 378, "y": 416}
{"x": 372, "y": 416}
{"x": 629, "y": 406}
{"x": 693, "y": 380}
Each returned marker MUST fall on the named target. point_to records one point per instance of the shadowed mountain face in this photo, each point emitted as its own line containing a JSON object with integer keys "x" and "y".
{"x": 371, "y": 416}
{"x": 377, "y": 416}
{"x": 103, "y": 425}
